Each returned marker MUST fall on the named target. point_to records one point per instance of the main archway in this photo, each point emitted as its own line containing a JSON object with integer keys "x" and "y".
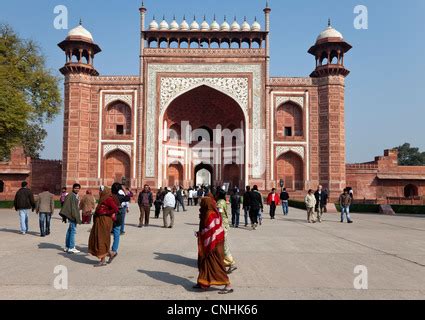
{"x": 212, "y": 132}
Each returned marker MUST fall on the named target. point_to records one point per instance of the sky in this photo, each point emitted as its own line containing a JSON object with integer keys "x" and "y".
{"x": 384, "y": 101}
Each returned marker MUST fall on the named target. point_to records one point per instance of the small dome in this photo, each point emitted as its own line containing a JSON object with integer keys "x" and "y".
{"x": 80, "y": 31}
{"x": 205, "y": 26}
{"x": 174, "y": 25}
{"x": 184, "y": 26}
{"x": 329, "y": 32}
{"x": 153, "y": 25}
{"x": 235, "y": 26}
{"x": 164, "y": 25}
{"x": 225, "y": 26}
{"x": 246, "y": 26}
{"x": 215, "y": 26}
{"x": 194, "y": 26}
{"x": 256, "y": 26}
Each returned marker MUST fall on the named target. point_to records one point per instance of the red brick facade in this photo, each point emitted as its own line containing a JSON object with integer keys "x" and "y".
{"x": 129, "y": 129}
{"x": 384, "y": 178}
{"x": 13, "y": 172}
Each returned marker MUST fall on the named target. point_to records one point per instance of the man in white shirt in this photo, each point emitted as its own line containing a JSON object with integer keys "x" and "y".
{"x": 169, "y": 204}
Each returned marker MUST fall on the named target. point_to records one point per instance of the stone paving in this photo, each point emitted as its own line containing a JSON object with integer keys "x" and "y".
{"x": 285, "y": 258}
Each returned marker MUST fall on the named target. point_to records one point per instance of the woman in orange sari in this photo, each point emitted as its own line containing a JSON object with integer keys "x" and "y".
{"x": 100, "y": 235}
{"x": 212, "y": 271}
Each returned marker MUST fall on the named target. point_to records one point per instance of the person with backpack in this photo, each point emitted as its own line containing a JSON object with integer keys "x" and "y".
{"x": 235, "y": 202}
{"x": 273, "y": 201}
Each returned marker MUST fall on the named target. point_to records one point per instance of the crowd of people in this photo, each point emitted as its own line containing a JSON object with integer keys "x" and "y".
{"x": 215, "y": 260}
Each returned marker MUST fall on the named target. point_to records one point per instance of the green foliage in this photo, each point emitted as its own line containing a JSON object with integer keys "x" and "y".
{"x": 409, "y": 156}
{"x": 400, "y": 209}
{"x": 297, "y": 204}
{"x": 361, "y": 208}
{"x": 29, "y": 95}
{"x": 9, "y": 204}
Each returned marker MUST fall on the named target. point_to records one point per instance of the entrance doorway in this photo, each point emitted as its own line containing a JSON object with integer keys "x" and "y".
{"x": 203, "y": 175}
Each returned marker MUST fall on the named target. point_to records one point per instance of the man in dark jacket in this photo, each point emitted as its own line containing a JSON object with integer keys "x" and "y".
{"x": 284, "y": 198}
{"x": 145, "y": 201}
{"x": 235, "y": 202}
{"x": 24, "y": 201}
{"x": 255, "y": 205}
{"x": 179, "y": 199}
{"x": 245, "y": 204}
{"x": 321, "y": 202}
{"x": 71, "y": 212}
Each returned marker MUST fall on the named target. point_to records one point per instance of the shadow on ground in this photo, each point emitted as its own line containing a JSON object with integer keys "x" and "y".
{"x": 32, "y": 233}
{"x": 176, "y": 259}
{"x": 174, "y": 280}
{"x": 82, "y": 257}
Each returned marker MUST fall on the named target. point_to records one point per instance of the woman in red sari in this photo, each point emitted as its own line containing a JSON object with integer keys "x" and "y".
{"x": 100, "y": 235}
{"x": 212, "y": 271}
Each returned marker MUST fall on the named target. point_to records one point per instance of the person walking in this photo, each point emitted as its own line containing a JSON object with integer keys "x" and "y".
{"x": 158, "y": 202}
{"x": 179, "y": 199}
{"x": 190, "y": 197}
{"x": 211, "y": 256}
{"x": 235, "y": 203}
{"x": 169, "y": 204}
{"x": 124, "y": 207}
{"x": 145, "y": 201}
{"x": 255, "y": 206}
{"x": 118, "y": 222}
{"x": 70, "y": 211}
{"x": 87, "y": 205}
{"x": 100, "y": 234}
{"x": 310, "y": 203}
{"x": 345, "y": 201}
{"x": 273, "y": 201}
{"x": 23, "y": 202}
{"x": 45, "y": 207}
{"x": 195, "y": 196}
{"x": 321, "y": 202}
{"x": 220, "y": 197}
{"x": 284, "y": 198}
{"x": 245, "y": 203}
{"x": 63, "y": 196}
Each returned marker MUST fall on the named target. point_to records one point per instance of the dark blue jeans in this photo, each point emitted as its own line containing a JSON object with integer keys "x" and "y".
{"x": 44, "y": 219}
{"x": 236, "y": 212}
{"x": 246, "y": 214}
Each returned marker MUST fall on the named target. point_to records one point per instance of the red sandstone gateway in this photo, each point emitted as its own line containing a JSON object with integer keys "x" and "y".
{"x": 196, "y": 79}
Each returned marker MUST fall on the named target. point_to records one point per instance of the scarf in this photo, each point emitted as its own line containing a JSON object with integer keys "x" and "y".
{"x": 211, "y": 230}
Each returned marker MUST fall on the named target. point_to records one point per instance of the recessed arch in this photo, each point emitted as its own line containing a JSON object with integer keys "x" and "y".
{"x": 411, "y": 191}
{"x": 1, "y": 186}
{"x": 117, "y": 167}
{"x": 289, "y": 120}
{"x": 290, "y": 168}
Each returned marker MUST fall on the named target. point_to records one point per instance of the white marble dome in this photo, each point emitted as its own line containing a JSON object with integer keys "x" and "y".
{"x": 164, "y": 25}
{"x": 205, "y": 26}
{"x": 225, "y": 26}
{"x": 194, "y": 26}
{"x": 329, "y": 32}
{"x": 235, "y": 26}
{"x": 174, "y": 25}
{"x": 256, "y": 26}
{"x": 80, "y": 31}
{"x": 153, "y": 25}
{"x": 245, "y": 26}
{"x": 215, "y": 26}
{"x": 184, "y": 26}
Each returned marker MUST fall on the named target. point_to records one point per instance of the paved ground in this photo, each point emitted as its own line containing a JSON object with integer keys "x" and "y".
{"x": 285, "y": 258}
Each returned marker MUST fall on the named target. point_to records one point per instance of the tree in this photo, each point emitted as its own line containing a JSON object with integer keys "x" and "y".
{"x": 409, "y": 156}
{"x": 29, "y": 94}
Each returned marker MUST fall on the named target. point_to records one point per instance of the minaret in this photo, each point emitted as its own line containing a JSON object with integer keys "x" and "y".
{"x": 79, "y": 129}
{"x": 330, "y": 73}
{"x": 80, "y": 50}
{"x": 142, "y": 11}
{"x": 267, "y": 11}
